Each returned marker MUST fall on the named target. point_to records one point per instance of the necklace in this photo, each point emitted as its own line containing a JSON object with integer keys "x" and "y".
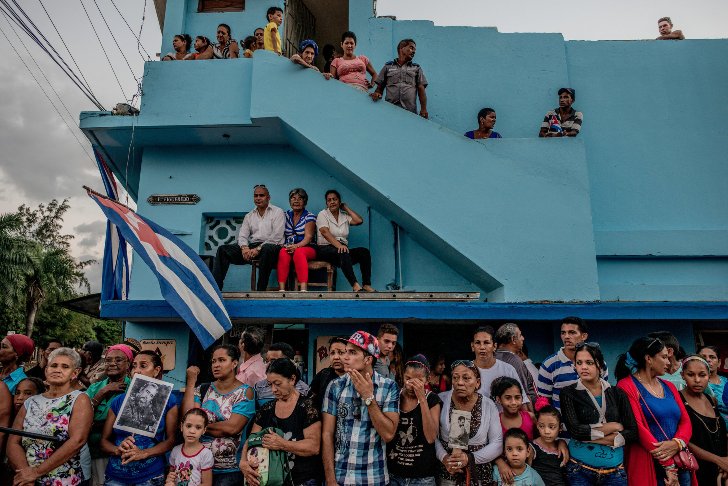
{"x": 717, "y": 424}
{"x": 650, "y": 389}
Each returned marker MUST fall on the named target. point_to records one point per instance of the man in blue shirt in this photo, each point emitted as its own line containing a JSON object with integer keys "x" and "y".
{"x": 557, "y": 371}
{"x": 360, "y": 415}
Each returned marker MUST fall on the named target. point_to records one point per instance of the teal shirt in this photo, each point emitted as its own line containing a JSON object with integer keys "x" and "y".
{"x": 675, "y": 378}
{"x": 529, "y": 477}
{"x": 14, "y": 378}
{"x": 100, "y": 413}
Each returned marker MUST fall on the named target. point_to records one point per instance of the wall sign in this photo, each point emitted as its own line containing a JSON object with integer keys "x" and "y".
{"x": 166, "y": 348}
{"x": 156, "y": 199}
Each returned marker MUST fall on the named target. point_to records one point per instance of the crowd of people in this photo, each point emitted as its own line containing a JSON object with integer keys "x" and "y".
{"x": 402, "y": 79}
{"x": 370, "y": 417}
{"x": 277, "y": 239}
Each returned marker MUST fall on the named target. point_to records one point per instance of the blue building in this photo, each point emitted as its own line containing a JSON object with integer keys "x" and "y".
{"x": 625, "y": 225}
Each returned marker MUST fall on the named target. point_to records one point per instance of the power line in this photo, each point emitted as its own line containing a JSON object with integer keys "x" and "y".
{"x": 115, "y": 42}
{"x": 64, "y": 42}
{"x": 41, "y": 72}
{"x": 13, "y": 15}
{"x": 103, "y": 49}
{"x": 55, "y": 108}
{"x": 138, "y": 38}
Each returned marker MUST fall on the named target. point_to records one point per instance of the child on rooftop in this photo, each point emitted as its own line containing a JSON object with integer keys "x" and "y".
{"x": 272, "y": 36}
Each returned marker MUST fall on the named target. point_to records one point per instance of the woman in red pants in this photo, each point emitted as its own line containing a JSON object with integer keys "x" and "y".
{"x": 299, "y": 234}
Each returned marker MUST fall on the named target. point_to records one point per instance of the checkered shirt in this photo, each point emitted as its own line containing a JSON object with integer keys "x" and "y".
{"x": 359, "y": 455}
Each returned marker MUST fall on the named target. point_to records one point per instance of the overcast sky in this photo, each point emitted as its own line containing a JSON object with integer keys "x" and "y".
{"x": 41, "y": 160}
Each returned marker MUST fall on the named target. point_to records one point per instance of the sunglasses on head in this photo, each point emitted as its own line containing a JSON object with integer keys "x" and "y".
{"x": 462, "y": 362}
{"x": 259, "y": 185}
{"x": 585, "y": 344}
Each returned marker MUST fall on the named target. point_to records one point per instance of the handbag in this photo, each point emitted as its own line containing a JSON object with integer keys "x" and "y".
{"x": 684, "y": 459}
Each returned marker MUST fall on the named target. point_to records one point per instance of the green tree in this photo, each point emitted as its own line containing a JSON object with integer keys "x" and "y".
{"x": 39, "y": 269}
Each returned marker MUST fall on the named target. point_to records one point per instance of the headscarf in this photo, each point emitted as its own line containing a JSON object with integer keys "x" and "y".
{"x": 22, "y": 345}
{"x": 124, "y": 349}
{"x": 306, "y": 43}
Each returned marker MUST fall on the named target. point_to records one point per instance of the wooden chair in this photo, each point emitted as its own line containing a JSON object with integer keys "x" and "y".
{"x": 315, "y": 266}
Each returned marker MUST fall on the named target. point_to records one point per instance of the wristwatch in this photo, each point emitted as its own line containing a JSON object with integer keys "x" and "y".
{"x": 368, "y": 401}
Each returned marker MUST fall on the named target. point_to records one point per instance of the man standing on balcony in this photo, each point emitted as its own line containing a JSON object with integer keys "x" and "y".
{"x": 403, "y": 80}
{"x": 260, "y": 238}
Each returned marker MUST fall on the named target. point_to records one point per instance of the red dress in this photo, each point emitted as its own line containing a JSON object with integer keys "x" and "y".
{"x": 638, "y": 460}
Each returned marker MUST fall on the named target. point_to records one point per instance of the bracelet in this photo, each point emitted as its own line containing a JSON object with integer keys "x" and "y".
{"x": 667, "y": 468}
{"x": 680, "y": 443}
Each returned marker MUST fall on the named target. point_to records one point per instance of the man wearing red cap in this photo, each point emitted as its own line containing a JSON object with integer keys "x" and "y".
{"x": 15, "y": 349}
{"x": 360, "y": 415}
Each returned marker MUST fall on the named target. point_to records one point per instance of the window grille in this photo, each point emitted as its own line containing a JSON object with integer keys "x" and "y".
{"x": 220, "y": 231}
{"x": 299, "y": 24}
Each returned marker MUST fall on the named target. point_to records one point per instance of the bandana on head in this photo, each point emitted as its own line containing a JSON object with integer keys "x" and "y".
{"x": 365, "y": 341}
{"x": 124, "y": 349}
{"x": 22, "y": 345}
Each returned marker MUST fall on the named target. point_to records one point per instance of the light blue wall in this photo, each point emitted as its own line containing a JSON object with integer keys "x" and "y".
{"x": 651, "y": 191}
{"x": 224, "y": 180}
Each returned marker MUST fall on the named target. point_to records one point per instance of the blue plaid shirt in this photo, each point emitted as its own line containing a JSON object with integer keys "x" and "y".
{"x": 359, "y": 457}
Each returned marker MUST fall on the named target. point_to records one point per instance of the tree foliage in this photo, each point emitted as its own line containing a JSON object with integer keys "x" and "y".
{"x": 37, "y": 270}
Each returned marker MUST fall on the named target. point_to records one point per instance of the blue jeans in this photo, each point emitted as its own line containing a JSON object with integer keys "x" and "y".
{"x": 578, "y": 475}
{"x": 233, "y": 478}
{"x": 399, "y": 481}
{"x": 157, "y": 481}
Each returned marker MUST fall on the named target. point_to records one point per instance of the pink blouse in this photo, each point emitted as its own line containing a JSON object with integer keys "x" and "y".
{"x": 352, "y": 71}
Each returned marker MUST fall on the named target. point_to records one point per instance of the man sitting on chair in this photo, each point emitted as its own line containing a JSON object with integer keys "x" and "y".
{"x": 260, "y": 238}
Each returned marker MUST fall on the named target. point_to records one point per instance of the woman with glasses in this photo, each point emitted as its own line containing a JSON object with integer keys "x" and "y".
{"x": 708, "y": 441}
{"x": 299, "y": 238}
{"x": 663, "y": 424}
{"x": 600, "y": 421}
{"x": 117, "y": 362}
{"x": 411, "y": 455}
{"x": 226, "y": 47}
{"x": 485, "y": 439}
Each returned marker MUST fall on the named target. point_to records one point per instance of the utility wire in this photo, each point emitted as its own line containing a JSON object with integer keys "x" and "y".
{"x": 64, "y": 42}
{"x": 83, "y": 148}
{"x": 138, "y": 38}
{"x": 103, "y": 49}
{"x": 13, "y": 15}
{"x": 70, "y": 116}
{"x": 115, "y": 42}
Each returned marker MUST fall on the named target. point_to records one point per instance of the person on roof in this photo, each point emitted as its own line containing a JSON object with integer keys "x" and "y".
{"x": 563, "y": 121}
{"x": 308, "y": 50}
{"x": 181, "y": 44}
{"x": 404, "y": 80}
{"x": 352, "y": 69}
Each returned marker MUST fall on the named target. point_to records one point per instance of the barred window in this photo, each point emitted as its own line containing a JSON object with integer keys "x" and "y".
{"x": 221, "y": 5}
{"x": 220, "y": 231}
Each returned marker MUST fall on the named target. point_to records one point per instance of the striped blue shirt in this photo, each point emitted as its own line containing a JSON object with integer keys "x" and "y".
{"x": 298, "y": 231}
{"x": 557, "y": 372}
{"x": 359, "y": 454}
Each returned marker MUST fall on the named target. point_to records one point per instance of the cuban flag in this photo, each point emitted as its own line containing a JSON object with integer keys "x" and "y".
{"x": 185, "y": 281}
{"x": 115, "y": 276}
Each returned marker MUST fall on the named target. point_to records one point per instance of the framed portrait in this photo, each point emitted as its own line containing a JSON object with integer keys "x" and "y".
{"x": 459, "y": 429}
{"x": 143, "y": 406}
